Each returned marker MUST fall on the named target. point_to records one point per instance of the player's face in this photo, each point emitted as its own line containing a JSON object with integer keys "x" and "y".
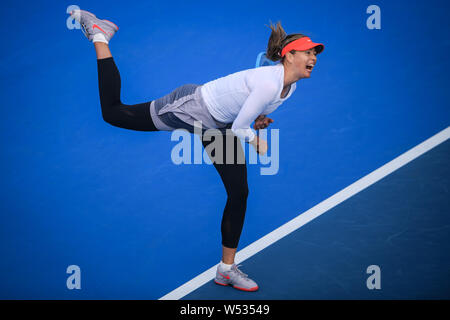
{"x": 304, "y": 62}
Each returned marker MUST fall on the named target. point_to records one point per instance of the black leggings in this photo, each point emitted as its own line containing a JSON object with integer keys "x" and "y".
{"x": 137, "y": 117}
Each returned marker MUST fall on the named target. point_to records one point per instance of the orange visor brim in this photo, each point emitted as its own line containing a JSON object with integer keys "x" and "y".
{"x": 302, "y": 44}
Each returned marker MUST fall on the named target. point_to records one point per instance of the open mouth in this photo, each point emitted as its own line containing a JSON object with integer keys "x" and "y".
{"x": 309, "y": 67}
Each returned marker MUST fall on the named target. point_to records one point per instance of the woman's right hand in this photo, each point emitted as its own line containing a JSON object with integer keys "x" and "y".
{"x": 262, "y": 122}
{"x": 260, "y": 145}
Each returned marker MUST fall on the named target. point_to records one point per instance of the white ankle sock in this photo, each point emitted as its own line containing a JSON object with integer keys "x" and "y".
{"x": 98, "y": 37}
{"x": 224, "y": 266}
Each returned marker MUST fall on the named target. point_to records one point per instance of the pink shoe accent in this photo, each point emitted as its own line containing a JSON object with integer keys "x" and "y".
{"x": 222, "y": 284}
{"x": 226, "y": 277}
{"x": 96, "y": 26}
{"x": 249, "y": 290}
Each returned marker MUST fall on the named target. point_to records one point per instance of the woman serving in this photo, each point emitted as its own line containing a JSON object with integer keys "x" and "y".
{"x": 231, "y": 102}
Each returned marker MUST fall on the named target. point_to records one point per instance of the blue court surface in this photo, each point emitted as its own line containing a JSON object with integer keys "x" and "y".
{"x": 402, "y": 226}
{"x": 76, "y": 191}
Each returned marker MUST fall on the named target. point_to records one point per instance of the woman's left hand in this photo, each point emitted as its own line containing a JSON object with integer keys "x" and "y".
{"x": 262, "y": 122}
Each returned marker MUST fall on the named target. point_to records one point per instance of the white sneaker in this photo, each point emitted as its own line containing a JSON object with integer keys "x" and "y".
{"x": 91, "y": 25}
{"x": 236, "y": 278}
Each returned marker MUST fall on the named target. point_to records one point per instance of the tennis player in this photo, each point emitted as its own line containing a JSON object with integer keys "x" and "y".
{"x": 232, "y": 102}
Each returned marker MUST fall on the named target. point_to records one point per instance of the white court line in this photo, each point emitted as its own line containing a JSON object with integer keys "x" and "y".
{"x": 314, "y": 212}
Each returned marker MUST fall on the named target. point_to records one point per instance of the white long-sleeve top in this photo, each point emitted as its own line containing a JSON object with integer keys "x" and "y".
{"x": 241, "y": 97}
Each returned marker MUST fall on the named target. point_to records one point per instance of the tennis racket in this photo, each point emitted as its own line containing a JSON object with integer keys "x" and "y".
{"x": 262, "y": 60}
